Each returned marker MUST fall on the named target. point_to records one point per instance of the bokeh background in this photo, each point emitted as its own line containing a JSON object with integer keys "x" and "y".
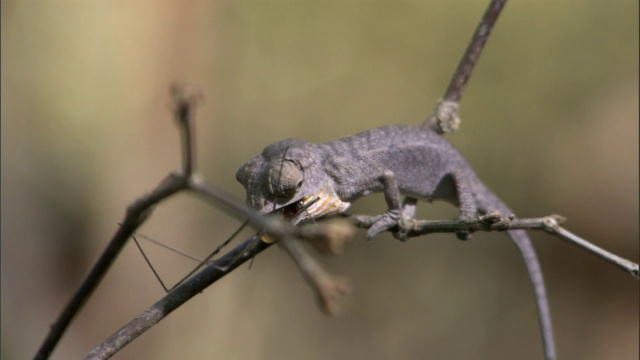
{"x": 550, "y": 122}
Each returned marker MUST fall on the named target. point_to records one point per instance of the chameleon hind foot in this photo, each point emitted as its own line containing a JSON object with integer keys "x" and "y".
{"x": 383, "y": 222}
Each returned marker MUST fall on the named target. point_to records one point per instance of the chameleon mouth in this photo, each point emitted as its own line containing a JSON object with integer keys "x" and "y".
{"x": 293, "y": 211}
{"x": 323, "y": 203}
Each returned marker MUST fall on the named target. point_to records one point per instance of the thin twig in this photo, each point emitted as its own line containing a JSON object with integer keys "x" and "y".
{"x": 330, "y": 290}
{"x": 135, "y": 216}
{"x": 329, "y": 293}
{"x": 195, "y": 285}
{"x": 494, "y": 221}
{"x": 238, "y": 209}
{"x": 445, "y": 116}
{"x": 185, "y": 98}
{"x": 140, "y": 210}
{"x": 554, "y": 228}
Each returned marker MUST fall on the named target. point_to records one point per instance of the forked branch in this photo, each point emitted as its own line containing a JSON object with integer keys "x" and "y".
{"x": 184, "y": 101}
{"x": 494, "y": 221}
{"x": 330, "y": 290}
{"x": 135, "y": 216}
{"x": 178, "y": 296}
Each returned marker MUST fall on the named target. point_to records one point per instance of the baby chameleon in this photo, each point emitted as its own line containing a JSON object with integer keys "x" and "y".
{"x": 396, "y": 160}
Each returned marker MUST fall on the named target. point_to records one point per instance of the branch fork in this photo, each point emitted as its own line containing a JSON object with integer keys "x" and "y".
{"x": 328, "y": 238}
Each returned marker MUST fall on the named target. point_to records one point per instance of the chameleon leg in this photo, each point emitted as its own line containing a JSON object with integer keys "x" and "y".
{"x": 393, "y": 197}
{"x": 468, "y": 208}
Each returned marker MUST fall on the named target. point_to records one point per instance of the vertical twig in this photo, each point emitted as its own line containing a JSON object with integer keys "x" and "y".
{"x": 185, "y": 99}
{"x": 472, "y": 54}
{"x": 445, "y": 116}
{"x": 135, "y": 216}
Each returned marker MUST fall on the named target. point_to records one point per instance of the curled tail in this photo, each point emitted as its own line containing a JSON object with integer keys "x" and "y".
{"x": 487, "y": 201}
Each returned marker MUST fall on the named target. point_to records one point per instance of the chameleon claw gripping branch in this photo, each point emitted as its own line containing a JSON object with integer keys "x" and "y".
{"x": 396, "y": 160}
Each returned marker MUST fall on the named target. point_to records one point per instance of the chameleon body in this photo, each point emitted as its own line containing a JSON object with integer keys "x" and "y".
{"x": 396, "y": 160}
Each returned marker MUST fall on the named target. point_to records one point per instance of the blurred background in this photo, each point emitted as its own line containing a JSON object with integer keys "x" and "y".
{"x": 550, "y": 122}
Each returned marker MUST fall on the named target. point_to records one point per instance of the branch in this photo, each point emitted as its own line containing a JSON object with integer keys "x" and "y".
{"x": 135, "y": 216}
{"x": 331, "y": 238}
{"x": 179, "y": 296}
{"x": 329, "y": 290}
{"x": 445, "y": 116}
{"x": 184, "y": 101}
{"x": 494, "y": 221}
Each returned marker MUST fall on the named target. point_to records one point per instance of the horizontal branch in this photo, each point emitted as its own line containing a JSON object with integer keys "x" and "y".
{"x": 330, "y": 290}
{"x": 494, "y": 221}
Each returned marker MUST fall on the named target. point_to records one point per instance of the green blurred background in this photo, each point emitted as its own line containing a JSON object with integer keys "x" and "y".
{"x": 550, "y": 122}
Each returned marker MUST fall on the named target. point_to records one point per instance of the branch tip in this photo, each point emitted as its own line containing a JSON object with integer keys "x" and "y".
{"x": 332, "y": 294}
{"x": 185, "y": 97}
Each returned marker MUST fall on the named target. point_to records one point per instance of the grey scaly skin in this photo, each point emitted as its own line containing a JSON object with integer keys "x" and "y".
{"x": 396, "y": 160}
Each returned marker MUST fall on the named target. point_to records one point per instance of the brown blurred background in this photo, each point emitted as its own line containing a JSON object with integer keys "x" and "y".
{"x": 550, "y": 122}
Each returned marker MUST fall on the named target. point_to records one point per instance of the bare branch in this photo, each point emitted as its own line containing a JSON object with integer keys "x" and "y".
{"x": 185, "y": 98}
{"x": 330, "y": 291}
{"x": 494, "y": 221}
{"x": 184, "y": 101}
{"x": 238, "y": 209}
{"x": 445, "y": 116}
{"x": 137, "y": 213}
{"x": 135, "y": 216}
{"x": 553, "y": 227}
{"x": 179, "y": 296}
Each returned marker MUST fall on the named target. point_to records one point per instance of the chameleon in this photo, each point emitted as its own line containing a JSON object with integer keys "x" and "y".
{"x": 311, "y": 181}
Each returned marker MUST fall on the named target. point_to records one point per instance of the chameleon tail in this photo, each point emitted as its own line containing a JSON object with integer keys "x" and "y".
{"x": 525, "y": 246}
{"x": 488, "y": 201}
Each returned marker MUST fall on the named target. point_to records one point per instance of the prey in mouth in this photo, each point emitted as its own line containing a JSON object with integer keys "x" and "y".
{"x": 286, "y": 179}
{"x": 323, "y": 203}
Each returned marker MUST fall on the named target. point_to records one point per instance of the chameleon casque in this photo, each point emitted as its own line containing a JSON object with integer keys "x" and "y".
{"x": 396, "y": 160}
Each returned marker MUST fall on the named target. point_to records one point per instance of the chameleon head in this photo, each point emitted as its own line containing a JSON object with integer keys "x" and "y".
{"x": 286, "y": 178}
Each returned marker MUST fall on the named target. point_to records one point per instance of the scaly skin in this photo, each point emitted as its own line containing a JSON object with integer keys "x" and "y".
{"x": 396, "y": 160}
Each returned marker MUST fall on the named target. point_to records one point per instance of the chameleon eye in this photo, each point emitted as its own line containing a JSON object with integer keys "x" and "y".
{"x": 285, "y": 178}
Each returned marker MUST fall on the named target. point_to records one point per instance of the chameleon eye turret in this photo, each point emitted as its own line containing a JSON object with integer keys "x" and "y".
{"x": 285, "y": 178}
